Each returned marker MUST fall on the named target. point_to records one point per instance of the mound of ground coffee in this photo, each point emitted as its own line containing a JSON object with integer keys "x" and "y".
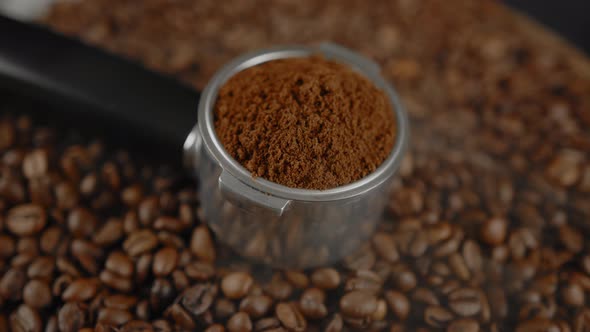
{"x": 305, "y": 122}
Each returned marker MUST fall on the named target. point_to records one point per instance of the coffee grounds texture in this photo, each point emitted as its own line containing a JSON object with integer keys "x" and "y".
{"x": 308, "y": 123}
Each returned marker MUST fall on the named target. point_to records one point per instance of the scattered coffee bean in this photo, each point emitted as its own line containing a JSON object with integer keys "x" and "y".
{"x": 358, "y": 304}
{"x": 26, "y": 219}
{"x": 37, "y": 294}
{"x": 398, "y": 303}
{"x": 25, "y": 318}
{"x": 201, "y": 244}
{"x": 256, "y": 306}
{"x": 165, "y": 261}
{"x": 290, "y": 316}
{"x": 326, "y": 278}
{"x": 240, "y": 322}
{"x": 312, "y": 303}
{"x": 236, "y": 285}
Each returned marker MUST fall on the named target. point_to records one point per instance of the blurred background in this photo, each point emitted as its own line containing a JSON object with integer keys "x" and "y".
{"x": 569, "y": 18}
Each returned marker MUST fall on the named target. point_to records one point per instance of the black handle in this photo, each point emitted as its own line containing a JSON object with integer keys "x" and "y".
{"x": 93, "y": 83}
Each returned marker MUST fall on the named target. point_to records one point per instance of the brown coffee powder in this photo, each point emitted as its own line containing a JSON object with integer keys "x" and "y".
{"x": 305, "y": 122}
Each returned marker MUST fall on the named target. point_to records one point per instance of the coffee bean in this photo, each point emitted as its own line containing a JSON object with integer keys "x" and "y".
{"x": 268, "y": 324}
{"x": 239, "y": 322}
{"x": 335, "y": 324}
{"x": 180, "y": 317}
{"x": 398, "y": 303}
{"x": 80, "y": 290}
{"x": 139, "y": 242}
{"x": 224, "y": 308}
{"x": 290, "y": 316}
{"x": 436, "y": 316}
{"x": 26, "y": 219}
{"x": 25, "y": 319}
{"x": 142, "y": 310}
{"x": 493, "y": 231}
{"x": 139, "y": 326}
{"x": 536, "y": 324}
{"x": 7, "y": 246}
{"x": 464, "y": 325}
{"x": 164, "y": 261}
{"x": 12, "y": 283}
{"x": 119, "y": 263}
{"x": 358, "y": 304}
{"x": 115, "y": 281}
{"x": 161, "y": 294}
{"x": 201, "y": 244}
{"x": 278, "y": 288}
{"x": 459, "y": 266}
{"x": 465, "y": 302}
{"x": 71, "y": 317}
{"x": 216, "y": 328}
{"x": 426, "y": 296}
{"x": 110, "y": 232}
{"x": 325, "y": 278}
{"x": 35, "y": 164}
{"x": 148, "y": 210}
{"x": 405, "y": 279}
{"x": 50, "y": 240}
{"x": 256, "y": 306}
{"x": 385, "y": 247}
{"x": 51, "y": 325}
{"x": 571, "y": 239}
{"x": 200, "y": 271}
{"x": 380, "y": 312}
{"x": 81, "y": 222}
{"x": 197, "y": 299}
{"x": 472, "y": 256}
{"x": 364, "y": 281}
{"x": 297, "y": 279}
{"x": 113, "y": 316}
{"x": 143, "y": 267}
{"x": 117, "y": 301}
{"x": 236, "y": 285}
{"x": 312, "y": 303}
{"x": 37, "y": 294}
{"x": 573, "y": 295}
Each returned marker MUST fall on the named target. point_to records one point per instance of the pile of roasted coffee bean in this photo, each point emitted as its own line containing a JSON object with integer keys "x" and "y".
{"x": 485, "y": 230}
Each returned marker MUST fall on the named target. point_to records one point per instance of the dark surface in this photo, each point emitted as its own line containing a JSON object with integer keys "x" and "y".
{"x": 95, "y": 87}
{"x": 569, "y": 18}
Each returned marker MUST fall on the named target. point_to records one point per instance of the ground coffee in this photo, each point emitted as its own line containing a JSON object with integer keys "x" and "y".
{"x": 305, "y": 122}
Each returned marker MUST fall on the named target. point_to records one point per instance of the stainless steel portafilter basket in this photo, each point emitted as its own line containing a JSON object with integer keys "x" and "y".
{"x": 274, "y": 224}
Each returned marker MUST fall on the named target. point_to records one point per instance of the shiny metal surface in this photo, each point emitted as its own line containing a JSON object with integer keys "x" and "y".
{"x": 333, "y": 221}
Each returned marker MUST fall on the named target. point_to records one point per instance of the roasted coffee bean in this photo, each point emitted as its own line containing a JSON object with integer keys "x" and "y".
{"x": 37, "y": 294}
{"x": 216, "y": 328}
{"x": 120, "y": 264}
{"x": 139, "y": 242}
{"x": 25, "y": 319}
{"x": 81, "y": 222}
{"x": 117, "y": 301}
{"x": 536, "y": 324}
{"x": 236, "y": 285}
{"x": 164, "y": 261}
{"x": 169, "y": 224}
{"x": 290, "y": 316}
{"x": 493, "y": 231}
{"x": 405, "y": 279}
{"x": 385, "y": 247}
{"x": 325, "y": 278}
{"x": 224, "y": 308}
{"x": 571, "y": 239}
{"x": 80, "y": 290}
{"x": 161, "y": 294}
{"x": 297, "y": 279}
{"x": 110, "y": 233}
{"x": 12, "y": 283}
{"x": 115, "y": 281}
{"x": 197, "y": 299}
{"x": 51, "y": 239}
{"x": 71, "y": 317}
{"x": 115, "y": 317}
{"x": 380, "y": 312}
{"x": 465, "y": 301}
{"x": 358, "y": 304}
{"x": 180, "y": 317}
{"x": 436, "y": 316}
{"x": 142, "y": 310}
{"x": 335, "y": 324}
{"x": 426, "y": 296}
{"x": 41, "y": 268}
{"x": 139, "y": 326}
{"x": 200, "y": 271}
{"x": 398, "y": 303}
{"x": 364, "y": 281}
{"x": 143, "y": 267}
{"x": 201, "y": 244}
{"x": 464, "y": 325}
{"x": 26, "y": 219}
{"x": 256, "y": 306}
{"x": 312, "y": 303}
{"x": 573, "y": 295}
{"x": 239, "y": 322}
{"x": 268, "y": 324}
{"x": 278, "y": 288}
{"x": 7, "y": 246}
